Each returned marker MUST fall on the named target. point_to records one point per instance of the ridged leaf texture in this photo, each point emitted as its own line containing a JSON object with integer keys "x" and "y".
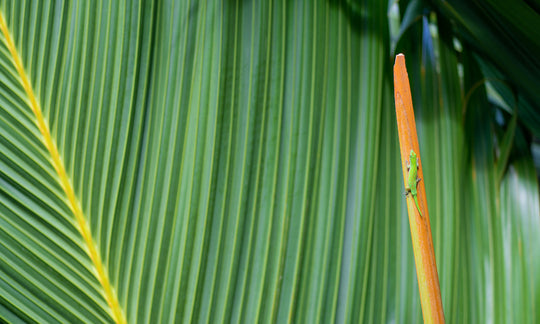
{"x": 237, "y": 161}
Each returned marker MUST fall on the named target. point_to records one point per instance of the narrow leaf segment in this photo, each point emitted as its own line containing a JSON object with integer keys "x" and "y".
{"x": 74, "y": 204}
{"x": 424, "y": 255}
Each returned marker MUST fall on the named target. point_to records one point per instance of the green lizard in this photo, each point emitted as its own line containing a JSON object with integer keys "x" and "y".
{"x": 413, "y": 180}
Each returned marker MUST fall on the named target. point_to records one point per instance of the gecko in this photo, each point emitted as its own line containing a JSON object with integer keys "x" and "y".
{"x": 412, "y": 181}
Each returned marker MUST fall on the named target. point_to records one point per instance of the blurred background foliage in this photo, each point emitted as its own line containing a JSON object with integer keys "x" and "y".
{"x": 267, "y": 130}
{"x": 475, "y": 85}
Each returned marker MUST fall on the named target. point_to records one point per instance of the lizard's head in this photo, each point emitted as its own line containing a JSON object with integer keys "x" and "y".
{"x": 412, "y": 154}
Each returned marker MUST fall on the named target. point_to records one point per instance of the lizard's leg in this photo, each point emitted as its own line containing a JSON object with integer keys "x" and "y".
{"x": 407, "y": 191}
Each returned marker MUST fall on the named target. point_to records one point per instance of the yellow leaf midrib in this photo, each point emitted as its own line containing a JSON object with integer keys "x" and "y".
{"x": 74, "y": 204}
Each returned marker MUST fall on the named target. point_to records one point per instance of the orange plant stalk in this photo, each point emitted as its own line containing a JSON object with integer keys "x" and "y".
{"x": 424, "y": 255}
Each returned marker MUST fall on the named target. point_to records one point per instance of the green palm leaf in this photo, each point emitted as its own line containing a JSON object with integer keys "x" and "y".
{"x": 235, "y": 161}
